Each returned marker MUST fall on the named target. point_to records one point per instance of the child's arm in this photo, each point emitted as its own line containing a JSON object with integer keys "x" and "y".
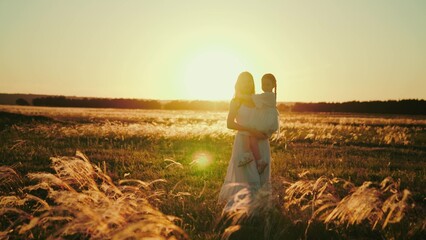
{"x": 232, "y": 124}
{"x": 258, "y": 100}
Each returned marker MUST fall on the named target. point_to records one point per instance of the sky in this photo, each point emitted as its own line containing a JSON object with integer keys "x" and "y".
{"x": 329, "y": 50}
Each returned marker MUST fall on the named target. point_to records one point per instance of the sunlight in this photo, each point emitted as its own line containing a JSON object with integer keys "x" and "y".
{"x": 210, "y": 74}
{"x": 202, "y": 159}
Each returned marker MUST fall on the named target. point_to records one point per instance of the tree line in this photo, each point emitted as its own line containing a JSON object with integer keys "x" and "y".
{"x": 408, "y": 106}
{"x": 61, "y": 101}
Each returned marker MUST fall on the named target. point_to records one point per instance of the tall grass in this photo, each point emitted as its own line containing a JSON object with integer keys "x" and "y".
{"x": 322, "y": 208}
{"x": 375, "y": 130}
{"x": 340, "y": 203}
{"x": 80, "y": 201}
{"x": 157, "y": 145}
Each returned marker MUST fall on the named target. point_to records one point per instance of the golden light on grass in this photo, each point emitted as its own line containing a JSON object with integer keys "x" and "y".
{"x": 81, "y": 201}
{"x": 177, "y": 148}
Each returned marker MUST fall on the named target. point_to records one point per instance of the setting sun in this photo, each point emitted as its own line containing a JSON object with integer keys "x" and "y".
{"x": 192, "y": 50}
{"x": 210, "y": 73}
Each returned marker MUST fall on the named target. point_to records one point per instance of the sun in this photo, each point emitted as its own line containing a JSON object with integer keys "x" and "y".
{"x": 210, "y": 74}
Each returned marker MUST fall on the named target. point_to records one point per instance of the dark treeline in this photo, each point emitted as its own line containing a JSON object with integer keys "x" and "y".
{"x": 282, "y": 107}
{"x": 409, "y": 106}
{"x": 61, "y": 101}
{"x": 197, "y": 105}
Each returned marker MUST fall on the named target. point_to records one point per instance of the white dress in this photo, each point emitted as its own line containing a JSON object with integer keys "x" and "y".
{"x": 245, "y": 177}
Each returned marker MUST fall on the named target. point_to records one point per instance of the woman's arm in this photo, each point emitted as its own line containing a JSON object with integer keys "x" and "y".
{"x": 232, "y": 124}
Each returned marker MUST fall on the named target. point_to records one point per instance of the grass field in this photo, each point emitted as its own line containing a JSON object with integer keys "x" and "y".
{"x": 175, "y": 163}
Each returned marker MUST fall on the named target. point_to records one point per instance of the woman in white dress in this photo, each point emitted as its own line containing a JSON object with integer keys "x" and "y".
{"x": 247, "y": 177}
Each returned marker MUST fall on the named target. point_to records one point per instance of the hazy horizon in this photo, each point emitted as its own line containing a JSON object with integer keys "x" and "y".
{"x": 328, "y": 51}
{"x": 226, "y": 100}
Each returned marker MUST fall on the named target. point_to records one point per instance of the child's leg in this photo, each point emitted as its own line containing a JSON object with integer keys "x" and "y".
{"x": 246, "y": 156}
{"x": 254, "y": 147}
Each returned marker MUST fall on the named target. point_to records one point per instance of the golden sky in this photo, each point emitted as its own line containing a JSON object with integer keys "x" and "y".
{"x": 327, "y": 50}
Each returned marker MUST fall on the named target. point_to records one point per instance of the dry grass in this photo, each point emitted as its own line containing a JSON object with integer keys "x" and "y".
{"x": 75, "y": 199}
{"x": 10, "y": 181}
{"x": 338, "y": 202}
{"x": 323, "y": 128}
{"x": 81, "y": 201}
{"x": 321, "y": 209}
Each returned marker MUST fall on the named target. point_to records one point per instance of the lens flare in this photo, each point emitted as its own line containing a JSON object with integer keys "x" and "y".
{"x": 202, "y": 159}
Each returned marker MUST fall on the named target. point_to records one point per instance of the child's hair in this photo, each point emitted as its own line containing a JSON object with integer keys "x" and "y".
{"x": 270, "y": 77}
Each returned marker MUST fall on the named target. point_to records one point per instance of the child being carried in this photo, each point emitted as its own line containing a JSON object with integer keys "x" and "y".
{"x": 264, "y": 119}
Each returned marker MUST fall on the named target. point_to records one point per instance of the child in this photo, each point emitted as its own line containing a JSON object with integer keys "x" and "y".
{"x": 264, "y": 119}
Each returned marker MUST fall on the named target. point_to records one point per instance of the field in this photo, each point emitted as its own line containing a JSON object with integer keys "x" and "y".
{"x": 174, "y": 162}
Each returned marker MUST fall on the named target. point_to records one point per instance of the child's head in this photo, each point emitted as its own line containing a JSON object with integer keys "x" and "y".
{"x": 269, "y": 82}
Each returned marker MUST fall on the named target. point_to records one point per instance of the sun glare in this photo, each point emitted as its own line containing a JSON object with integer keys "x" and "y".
{"x": 210, "y": 74}
{"x": 202, "y": 159}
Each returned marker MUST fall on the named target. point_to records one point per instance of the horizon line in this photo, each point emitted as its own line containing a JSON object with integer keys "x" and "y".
{"x": 210, "y": 100}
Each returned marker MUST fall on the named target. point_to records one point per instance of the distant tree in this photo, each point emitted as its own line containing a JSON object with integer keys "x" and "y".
{"x": 407, "y": 106}
{"x": 283, "y": 107}
{"x": 22, "y": 102}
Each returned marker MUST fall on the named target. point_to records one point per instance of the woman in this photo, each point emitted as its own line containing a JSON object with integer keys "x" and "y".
{"x": 245, "y": 177}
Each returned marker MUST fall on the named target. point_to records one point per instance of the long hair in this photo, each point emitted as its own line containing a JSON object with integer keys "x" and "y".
{"x": 271, "y": 77}
{"x": 245, "y": 83}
